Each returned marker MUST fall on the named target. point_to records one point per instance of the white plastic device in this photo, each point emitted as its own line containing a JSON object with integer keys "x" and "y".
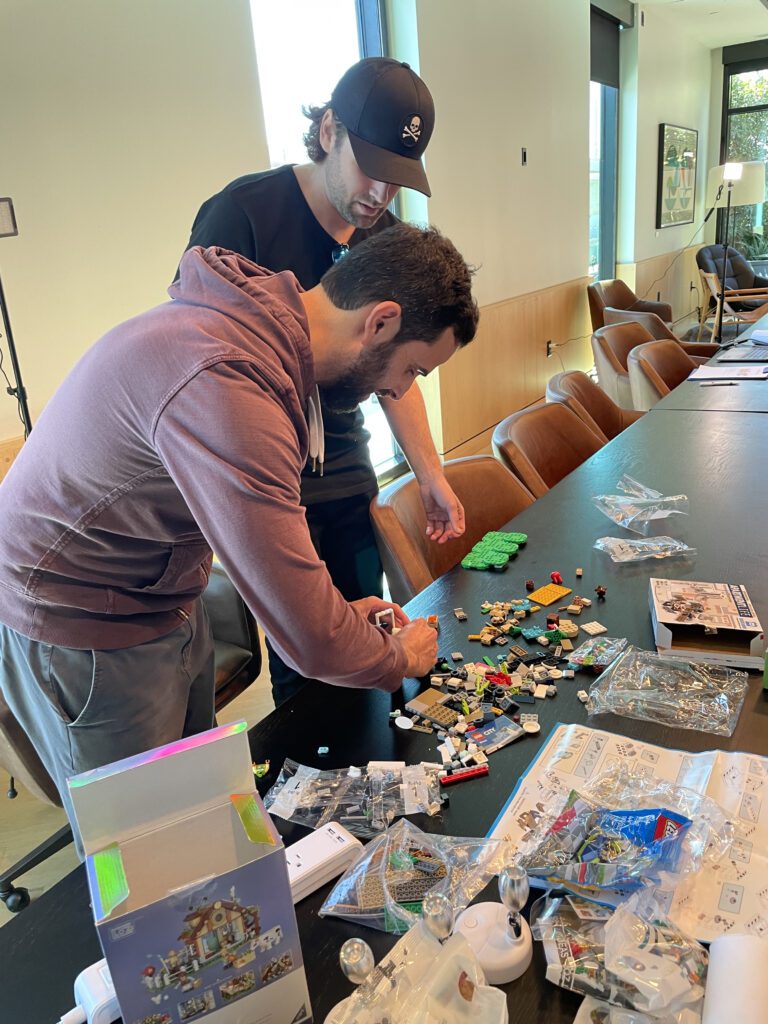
{"x": 498, "y": 933}
{"x": 319, "y": 857}
{"x": 95, "y": 999}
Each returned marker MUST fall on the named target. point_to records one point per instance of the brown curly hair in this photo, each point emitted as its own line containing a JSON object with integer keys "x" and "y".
{"x": 315, "y": 151}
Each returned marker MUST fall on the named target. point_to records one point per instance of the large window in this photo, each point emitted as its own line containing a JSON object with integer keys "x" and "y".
{"x": 603, "y": 113}
{"x": 745, "y": 137}
{"x": 300, "y": 68}
{"x": 603, "y": 143}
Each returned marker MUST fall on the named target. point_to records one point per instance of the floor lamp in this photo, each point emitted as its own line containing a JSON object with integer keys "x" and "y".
{"x": 8, "y": 229}
{"x": 729, "y": 185}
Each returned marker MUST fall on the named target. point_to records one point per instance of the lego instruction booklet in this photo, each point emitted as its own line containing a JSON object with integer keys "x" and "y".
{"x": 733, "y": 896}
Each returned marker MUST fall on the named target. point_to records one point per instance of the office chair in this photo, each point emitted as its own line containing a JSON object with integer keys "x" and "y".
{"x": 581, "y": 395}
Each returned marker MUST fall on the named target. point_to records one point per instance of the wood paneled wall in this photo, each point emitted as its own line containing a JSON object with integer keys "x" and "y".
{"x": 9, "y": 449}
{"x": 671, "y": 275}
{"x": 506, "y": 367}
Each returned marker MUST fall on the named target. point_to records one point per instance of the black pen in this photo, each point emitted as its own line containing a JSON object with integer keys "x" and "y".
{"x": 720, "y": 384}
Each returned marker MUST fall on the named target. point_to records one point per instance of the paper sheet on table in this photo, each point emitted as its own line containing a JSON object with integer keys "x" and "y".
{"x": 757, "y": 371}
{"x": 733, "y": 895}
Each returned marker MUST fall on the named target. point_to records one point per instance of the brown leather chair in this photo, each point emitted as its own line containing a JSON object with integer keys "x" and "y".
{"x": 590, "y": 403}
{"x": 491, "y": 496}
{"x": 619, "y": 295}
{"x": 611, "y": 346}
{"x": 654, "y": 369}
{"x": 237, "y": 659}
{"x": 700, "y": 352}
{"x": 543, "y": 444}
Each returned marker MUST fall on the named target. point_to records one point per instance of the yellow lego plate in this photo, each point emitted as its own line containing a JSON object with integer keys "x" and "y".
{"x": 549, "y": 594}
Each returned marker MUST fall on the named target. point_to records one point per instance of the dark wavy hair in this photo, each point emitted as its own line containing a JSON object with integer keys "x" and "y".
{"x": 418, "y": 268}
{"x": 315, "y": 151}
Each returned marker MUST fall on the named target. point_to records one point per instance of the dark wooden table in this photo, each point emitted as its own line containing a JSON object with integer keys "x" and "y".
{"x": 743, "y": 396}
{"x": 713, "y": 457}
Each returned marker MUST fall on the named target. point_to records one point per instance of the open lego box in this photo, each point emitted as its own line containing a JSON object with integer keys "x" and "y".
{"x": 709, "y": 622}
{"x": 189, "y": 886}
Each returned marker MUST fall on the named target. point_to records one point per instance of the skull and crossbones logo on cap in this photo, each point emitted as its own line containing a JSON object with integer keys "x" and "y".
{"x": 410, "y": 133}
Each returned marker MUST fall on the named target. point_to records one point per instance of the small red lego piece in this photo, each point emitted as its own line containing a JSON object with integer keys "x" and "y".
{"x": 600, "y": 591}
{"x": 556, "y": 577}
{"x": 530, "y": 585}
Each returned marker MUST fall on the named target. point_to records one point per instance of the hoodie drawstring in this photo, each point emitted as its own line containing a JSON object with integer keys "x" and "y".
{"x": 316, "y": 430}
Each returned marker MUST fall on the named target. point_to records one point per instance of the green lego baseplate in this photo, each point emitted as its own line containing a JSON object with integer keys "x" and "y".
{"x": 551, "y": 634}
{"x": 494, "y": 550}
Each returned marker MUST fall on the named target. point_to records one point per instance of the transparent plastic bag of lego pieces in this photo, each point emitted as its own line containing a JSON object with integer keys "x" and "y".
{"x": 589, "y": 950}
{"x": 644, "y": 949}
{"x": 597, "y": 652}
{"x": 385, "y": 887}
{"x": 653, "y": 688}
{"x": 574, "y": 947}
{"x": 421, "y": 981}
{"x": 596, "y": 1011}
{"x": 364, "y": 801}
{"x": 623, "y": 549}
{"x": 624, "y": 828}
{"x": 639, "y": 506}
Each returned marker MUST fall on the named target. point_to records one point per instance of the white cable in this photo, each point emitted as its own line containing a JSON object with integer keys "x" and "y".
{"x": 74, "y": 1016}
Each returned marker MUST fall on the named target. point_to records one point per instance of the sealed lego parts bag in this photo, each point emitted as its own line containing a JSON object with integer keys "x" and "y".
{"x": 639, "y": 506}
{"x": 596, "y": 1011}
{"x": 364, "y": 800}
{"x": 385, "y": 887}
{"x": 624, "y": 828}
{"x": 654, "y": 688}
{"x": 622, "y": 549}
{"x": 638, "y": 961}
{"x": 421, "y": 981}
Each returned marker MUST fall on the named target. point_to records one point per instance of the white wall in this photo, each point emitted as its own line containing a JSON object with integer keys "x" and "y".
{"x": 670, "y": 75}
{"x": 118, "y": 118}
{"x": 506, "y": 74}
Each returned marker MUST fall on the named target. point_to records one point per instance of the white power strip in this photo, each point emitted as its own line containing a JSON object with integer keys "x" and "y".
{"x": 95, "y": 999}
{"x": 319, "y": 857}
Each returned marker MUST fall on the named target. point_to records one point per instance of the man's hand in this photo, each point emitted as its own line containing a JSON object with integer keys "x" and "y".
{"x": 445, "y": 513}
{"x": 368, "y": 606}
{"x": 420, "y": 643}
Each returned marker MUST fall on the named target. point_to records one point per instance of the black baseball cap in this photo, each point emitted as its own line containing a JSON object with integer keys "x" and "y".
{"x": 389, "y": 116}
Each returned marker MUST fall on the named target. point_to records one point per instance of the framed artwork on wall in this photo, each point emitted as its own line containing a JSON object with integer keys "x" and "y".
{"x": 676, "y": 188}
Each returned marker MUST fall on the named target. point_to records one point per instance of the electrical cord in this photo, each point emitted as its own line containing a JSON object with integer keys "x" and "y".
{"x": 76, "y": 1015}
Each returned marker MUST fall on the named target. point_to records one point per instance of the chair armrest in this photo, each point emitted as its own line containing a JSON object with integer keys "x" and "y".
{"x": 703, "y": 349}
{"x": 731, "y": 292}
{"x": 663, "y": 310}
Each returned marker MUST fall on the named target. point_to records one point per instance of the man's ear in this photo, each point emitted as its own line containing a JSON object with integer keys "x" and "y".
{"x": 327, "y": 131}
{"x": 382, "y": 323}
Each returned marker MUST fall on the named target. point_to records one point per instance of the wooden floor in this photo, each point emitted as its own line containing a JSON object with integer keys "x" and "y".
{"x": 26, "y": 822}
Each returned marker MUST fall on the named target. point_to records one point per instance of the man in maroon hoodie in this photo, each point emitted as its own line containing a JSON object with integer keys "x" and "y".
{"x": 184, "y": 430}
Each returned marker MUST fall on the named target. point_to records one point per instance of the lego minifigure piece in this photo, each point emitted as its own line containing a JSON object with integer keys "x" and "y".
{"x": 600, "y": 591}
{"x": 579, "y": 573}
{"x": 460, "y": 614}
{"x": 583, "y": 696}
{"x": 530, "y": 585}
{"x": 556, "y": 577}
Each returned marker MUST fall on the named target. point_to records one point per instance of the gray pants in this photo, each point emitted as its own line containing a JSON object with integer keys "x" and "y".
{"x": 83, "y": 709}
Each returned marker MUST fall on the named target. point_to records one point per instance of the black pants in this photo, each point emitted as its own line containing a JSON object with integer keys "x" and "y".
{"x": 343, "y": 537}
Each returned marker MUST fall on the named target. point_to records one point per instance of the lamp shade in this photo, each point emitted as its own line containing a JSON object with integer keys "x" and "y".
{"x": 748, "y": 190}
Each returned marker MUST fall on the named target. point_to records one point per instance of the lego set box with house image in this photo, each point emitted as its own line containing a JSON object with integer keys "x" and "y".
{"x": 189, "y": 886}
